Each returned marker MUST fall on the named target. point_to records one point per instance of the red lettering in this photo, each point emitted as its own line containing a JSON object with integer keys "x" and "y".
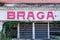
{"x": 40, "y": 15}
{"x": 30, "y": 14}
{"x": 10, "y": 15}
{"x": 21, "y": 14}
{"x": 50, "y": 15}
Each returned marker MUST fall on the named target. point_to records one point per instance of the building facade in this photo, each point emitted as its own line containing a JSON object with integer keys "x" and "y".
{"x": 30, "y": 22}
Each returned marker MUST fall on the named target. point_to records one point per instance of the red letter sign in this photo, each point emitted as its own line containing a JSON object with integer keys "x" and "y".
{"x": 50, "y": 14}
{"x": 30, "y": 14}
{"x": 10, "y": 15}
{"x": 40, "y": 15}
{"x": 21, "y": 14}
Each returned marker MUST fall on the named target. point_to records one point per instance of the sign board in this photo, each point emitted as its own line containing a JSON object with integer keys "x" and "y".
{"x": 29, "y": 15}
{"x": 30, "y": 1}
